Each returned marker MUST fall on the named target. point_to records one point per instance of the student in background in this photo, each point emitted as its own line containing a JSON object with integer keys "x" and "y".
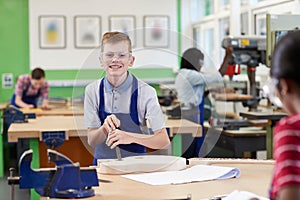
{"x": 285, "y": 70}
{"x": 190, "y": 84}
{"x": 117, "y": 106}
{"x": 29, "y": 88}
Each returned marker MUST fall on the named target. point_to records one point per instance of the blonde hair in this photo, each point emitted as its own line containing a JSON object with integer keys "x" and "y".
{"x": 114, "y": 37}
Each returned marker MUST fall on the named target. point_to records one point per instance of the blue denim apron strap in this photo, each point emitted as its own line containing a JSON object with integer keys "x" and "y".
{"x": 130, "y": 123}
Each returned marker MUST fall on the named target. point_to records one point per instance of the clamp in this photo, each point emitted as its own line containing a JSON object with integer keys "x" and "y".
{"x": 66, "y": 180}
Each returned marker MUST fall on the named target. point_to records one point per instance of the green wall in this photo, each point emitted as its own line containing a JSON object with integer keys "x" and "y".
{"x": 14, "y": 53}
{"x": 94, "y": 74}
{"x": 14, "y": 44}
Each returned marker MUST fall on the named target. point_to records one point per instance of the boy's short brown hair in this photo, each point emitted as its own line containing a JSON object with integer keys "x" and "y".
{"x": 113, "y": 37}
{"x": 37, "y": 73}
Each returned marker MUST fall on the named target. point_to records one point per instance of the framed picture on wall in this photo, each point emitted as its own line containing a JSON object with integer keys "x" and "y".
{"x": 156, "y": 31}
{"x": 87, "y": 30}
{"x": 52, "y": 32}
{"x": 124, "y": 24}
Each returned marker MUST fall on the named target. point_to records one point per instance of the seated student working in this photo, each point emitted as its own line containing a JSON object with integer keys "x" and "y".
{"x": 117, "y": 106}
{"x": 190, "y": 84}
{"x": 29, "y": 88}
{"x": 285, "y": 70}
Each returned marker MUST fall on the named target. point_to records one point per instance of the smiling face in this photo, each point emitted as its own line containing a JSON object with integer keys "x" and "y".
{"x": 116, "y": 58}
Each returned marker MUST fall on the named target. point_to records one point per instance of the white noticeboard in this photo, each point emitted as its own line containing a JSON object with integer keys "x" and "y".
{"x": 68, "y": 36}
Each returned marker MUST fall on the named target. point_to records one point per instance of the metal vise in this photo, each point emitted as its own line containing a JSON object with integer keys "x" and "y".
{"x": 66, "y": 180}
{"x": 13, "y": 114}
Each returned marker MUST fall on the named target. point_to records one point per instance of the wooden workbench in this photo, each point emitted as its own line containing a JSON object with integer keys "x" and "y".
{"x": 3, "y": 106}
{"x": 61, "y": 110}
{"x": 75, "y": 132}
{"x": 246, "y": 139}
{"x": 273, "y": 118}
{"x": 56, "y": 111}
{"x": 75, "y": 146}
{"x": 186, "y": 127}
{"x": 254, "y": 178}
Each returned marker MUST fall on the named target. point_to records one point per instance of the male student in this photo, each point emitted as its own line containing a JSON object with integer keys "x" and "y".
{"x": 29, "y": 88}
{"x": 117, "y": 106}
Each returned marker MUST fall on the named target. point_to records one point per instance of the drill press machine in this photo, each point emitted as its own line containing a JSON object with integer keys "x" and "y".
{"x": 249, "y": 51}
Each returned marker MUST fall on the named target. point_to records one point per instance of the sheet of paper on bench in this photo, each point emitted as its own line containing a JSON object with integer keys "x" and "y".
{"x": 192, "y": 174}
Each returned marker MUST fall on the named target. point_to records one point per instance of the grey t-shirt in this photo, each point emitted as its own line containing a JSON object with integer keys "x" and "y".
{"x": 190, "y": 85}
{"x": 117, "y": 100}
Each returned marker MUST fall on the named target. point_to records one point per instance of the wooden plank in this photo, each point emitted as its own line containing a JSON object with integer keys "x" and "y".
{"x": 141, "y": 164}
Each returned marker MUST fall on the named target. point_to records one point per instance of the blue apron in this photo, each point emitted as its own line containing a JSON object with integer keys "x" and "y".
{"x": 199, "y": 140}
{"x": 29, "y": 99}
{"x": 192, "y": 145}
{"x": 129, "y": 123}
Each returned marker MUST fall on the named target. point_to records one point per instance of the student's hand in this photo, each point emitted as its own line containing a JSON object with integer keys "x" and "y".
{"x": 111, "y": 123}
{"x": 29, "y": 106}
{"x": 117, "y": 137}
{"x": 45, "y": 107}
